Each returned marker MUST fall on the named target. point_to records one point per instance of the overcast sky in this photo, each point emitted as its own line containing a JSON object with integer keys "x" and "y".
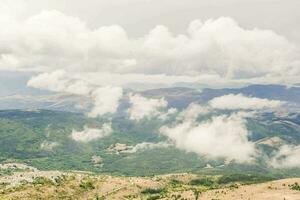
{"x": 161, "y": 42}
{"x": 139, "y": 16}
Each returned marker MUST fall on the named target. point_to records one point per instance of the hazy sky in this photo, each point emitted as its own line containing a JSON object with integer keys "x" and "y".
{"x": 139, "y": 16}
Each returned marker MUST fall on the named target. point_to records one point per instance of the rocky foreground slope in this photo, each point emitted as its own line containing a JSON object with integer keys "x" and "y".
{"x": 21, "y": 182}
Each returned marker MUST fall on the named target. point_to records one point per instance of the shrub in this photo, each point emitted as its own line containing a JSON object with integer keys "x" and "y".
{"x": 87, "y": 185}
{"x": 203, "y": 181}
{"x": 41, "y": 181}
{"x": 152, "y": 191}
{"x": 175, "y": 182}
{"x": 295, "y": 186}
{"x": 155, "y": 197}
{"x": 100, "y": 198}
{"x": 243, "y": 178}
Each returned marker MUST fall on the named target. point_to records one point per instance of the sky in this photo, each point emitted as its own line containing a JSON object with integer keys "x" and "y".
{"x": 120, "y": 43}
{"x": 140, "y": 16}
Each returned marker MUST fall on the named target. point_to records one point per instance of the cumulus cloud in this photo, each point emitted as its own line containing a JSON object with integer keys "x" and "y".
{"x": 214, "y": 48}
{"x": 105, "y": 98}
{"x": 90, "y": 134}
{"x": 288, "y": 156}
{"x": 239, "y": 101}
{"x": 142, "y": 107}
{"x": 220, "y": 137}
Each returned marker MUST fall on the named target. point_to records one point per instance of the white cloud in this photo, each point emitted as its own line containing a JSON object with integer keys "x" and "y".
{"x": 239, "y": 101}
{"x": 288, "y": 156}
{"x": 90, "y": 134}
{"x": 105, "y": 98}
{"x": 221, "y": 137}
{"x": 142, "y": 107}
{"x": 59, "y": 81}
{"x": 215, "y": 48}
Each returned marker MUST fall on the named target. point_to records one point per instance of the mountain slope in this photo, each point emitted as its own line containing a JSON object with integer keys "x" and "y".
{"x": 43, "y": 139}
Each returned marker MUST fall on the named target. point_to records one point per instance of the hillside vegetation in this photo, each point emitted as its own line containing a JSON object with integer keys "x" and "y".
{"x": 23, "y": 134}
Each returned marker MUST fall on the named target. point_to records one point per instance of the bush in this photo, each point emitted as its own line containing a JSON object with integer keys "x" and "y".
{"x": 152, "y": 191}
{"x": 175, "y": 182}
{"x": 295, "y": 186}
{"x": 87, "y": 185}
{"x": 243, "y": 178}
{"x": 155, "y": 197}
{"x": 41, "y": 181}
{"x": 203, "y": 181}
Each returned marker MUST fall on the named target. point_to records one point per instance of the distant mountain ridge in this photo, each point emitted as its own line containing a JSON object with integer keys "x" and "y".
{"x": 178, "y": 97}
{"x": 181, "y": 97}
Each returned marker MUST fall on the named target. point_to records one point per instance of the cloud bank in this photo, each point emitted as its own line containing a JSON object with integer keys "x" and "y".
{"x": 217, "y": 49}
{"x": 97, "y": 63}
{"x": 90, "y": 134}
{"x": 241, "y": 102}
